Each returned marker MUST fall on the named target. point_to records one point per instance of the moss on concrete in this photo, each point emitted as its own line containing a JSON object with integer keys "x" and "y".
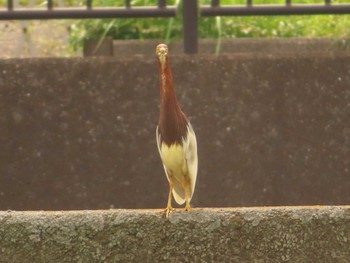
{"x": 272, "y": 234}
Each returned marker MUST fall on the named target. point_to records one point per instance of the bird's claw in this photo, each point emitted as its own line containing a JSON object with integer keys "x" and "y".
{"x": 168, "y": 210}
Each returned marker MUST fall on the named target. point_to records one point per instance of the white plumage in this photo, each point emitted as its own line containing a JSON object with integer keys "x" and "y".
{"x": 181, "y": 162}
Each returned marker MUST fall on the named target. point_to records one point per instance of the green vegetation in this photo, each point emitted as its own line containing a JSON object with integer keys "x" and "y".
{"x": 211, "y": 27}
{"x": 129, "y": 28}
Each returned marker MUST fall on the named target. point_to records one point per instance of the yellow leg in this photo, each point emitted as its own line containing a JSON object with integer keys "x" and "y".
{"x": 187, "y": 207}
{"x": 169, "y": 207}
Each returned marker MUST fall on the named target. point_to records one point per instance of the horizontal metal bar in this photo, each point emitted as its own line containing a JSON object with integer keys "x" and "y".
{"x": 83, "y": 13}
{"x": 302, "y": 9}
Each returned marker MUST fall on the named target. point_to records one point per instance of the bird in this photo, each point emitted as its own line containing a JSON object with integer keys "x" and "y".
{"x": 176, "y": 140}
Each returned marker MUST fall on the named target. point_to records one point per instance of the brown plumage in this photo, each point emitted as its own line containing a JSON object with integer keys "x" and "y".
{"x": 172, "y": 121}
{"x": 176, "y": 139}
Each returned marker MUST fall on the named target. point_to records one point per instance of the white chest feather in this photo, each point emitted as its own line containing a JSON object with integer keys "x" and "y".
{"x": 173, "y": 158}
{"x": 180, "y": 162}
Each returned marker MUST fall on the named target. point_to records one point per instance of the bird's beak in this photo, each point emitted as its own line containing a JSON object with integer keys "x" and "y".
{"x": 162, "y": 59}
{"x": 162, "y": 52}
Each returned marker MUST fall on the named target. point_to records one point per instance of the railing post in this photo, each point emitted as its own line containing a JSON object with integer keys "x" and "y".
{"x": 88, "y": 4}
{"x": 9, "y": 5}
{"x": 49, "y": 4}
{"x": 190, "y": 26}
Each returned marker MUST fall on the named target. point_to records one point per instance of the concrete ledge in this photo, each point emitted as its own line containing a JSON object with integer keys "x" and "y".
{"x": 127, "y": 48}
{"x": 270, "y": 234}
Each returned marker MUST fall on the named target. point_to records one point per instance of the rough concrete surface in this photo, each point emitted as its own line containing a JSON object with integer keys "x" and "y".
{"x": 80, "y": 133}
{"x": 271, "y": 234}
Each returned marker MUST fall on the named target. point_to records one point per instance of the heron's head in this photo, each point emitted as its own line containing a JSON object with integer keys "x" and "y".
{"x": 162, "y": 54}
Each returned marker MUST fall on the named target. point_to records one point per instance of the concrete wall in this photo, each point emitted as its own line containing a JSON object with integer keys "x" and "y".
{"x": 80, "y": 133}
{"x": 125, "y": 48}
{"x": 279, "y": 234}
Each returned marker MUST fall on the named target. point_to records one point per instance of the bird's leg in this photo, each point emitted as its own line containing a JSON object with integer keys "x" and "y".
{"x": 169, "y": 207}
{"x": 186, "y": 186}
{"x": 187, "y": 207}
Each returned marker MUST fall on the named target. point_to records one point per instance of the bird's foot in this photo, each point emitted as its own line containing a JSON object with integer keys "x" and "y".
{"x": 168, "y": 210}
{"x": 188, "y": 207}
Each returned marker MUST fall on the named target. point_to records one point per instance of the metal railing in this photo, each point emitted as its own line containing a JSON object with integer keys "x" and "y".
{"x": 249, "y": 9}
{"x": 89, "y": 11}
{"x": 191, "y": 10}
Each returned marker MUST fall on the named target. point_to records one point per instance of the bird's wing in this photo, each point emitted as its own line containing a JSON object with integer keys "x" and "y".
{"x": 178, "y": 191}
{"x": 190, "y": 157}
{"x": 190, "y": 151}
{"x": 159, "y": 142}
{"x": 158, "y": 139}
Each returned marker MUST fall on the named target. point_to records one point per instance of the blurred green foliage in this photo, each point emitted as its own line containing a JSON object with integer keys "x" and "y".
{"x": 212, "y": 27}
